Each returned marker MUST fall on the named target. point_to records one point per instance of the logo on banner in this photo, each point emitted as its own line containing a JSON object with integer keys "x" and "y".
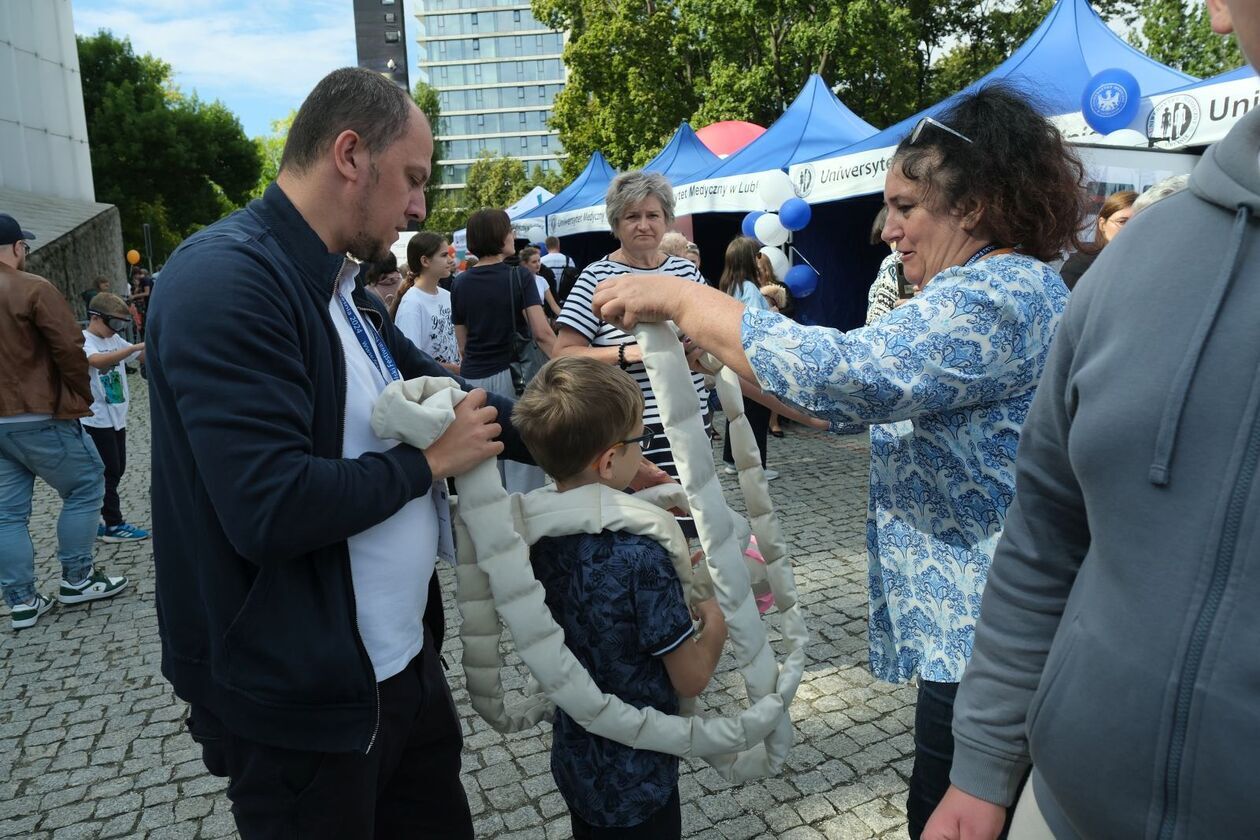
{"x": 805, "y": 180}
{"x": 1108, "y": 99}
{"x": 1173, "y": 121}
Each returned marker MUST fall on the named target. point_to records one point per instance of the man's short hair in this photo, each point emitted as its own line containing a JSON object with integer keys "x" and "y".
{"x": 574, "y": 409}
{"x": 349, "y": 99}
{"x": 552, "y": 243}
{"x": 528, "y": 252}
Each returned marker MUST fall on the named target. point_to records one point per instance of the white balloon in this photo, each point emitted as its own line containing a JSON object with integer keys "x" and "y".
{"x": 770, "y": 231}
{"x": 775, "y": 188}
{"x": 779, "y": 263}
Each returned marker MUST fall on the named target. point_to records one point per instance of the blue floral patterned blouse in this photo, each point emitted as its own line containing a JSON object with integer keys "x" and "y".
{"x": 944, "y": 382}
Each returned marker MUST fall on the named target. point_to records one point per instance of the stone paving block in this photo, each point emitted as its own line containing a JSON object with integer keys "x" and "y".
{"x": 67, "y": 815}
{"x": 720, "y": 806}
{"x": 22, "y": 826}
{"x": 803, "y": 832}
{"x": 118, "y": 825}
{"x": 745, "y": 827}
{"x": 80, "y": 831}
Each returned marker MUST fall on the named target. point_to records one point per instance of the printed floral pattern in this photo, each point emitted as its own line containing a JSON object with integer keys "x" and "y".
{"x": 944, "y": 382}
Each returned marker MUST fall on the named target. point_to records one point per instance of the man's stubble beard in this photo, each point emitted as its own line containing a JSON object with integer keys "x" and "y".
{"x": 363, "y": 246}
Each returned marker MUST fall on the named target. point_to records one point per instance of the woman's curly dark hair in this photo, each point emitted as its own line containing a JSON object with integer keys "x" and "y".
{"x": 1026, "y": 182}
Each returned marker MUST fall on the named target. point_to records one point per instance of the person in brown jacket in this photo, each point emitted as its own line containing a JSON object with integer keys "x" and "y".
{"x": 44, "y": 390}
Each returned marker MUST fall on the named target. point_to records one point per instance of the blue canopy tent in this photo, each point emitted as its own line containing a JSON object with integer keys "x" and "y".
{"x": 584, "y": 194}
{"x": 718, "y": 198}
{"x": 683, "y": 157}
{"x": 1069, "y": 47}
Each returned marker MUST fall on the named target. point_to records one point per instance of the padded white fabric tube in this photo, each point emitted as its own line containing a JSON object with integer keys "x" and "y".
{"x": 496, "y": 581}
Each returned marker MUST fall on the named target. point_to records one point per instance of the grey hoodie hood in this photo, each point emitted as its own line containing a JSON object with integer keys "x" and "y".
{"x": 1228, "y": 176}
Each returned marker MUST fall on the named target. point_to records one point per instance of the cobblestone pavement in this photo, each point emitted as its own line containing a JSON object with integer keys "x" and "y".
{"x": 92, "y": 741}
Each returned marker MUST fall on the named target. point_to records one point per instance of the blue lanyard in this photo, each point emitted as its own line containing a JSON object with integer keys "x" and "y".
{"x": 987, "y": 249}
{"x": 361, "y": 335}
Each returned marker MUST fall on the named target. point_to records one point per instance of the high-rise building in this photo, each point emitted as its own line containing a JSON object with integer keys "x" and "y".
{"x": 378, "y": 34}
{"x": 497, "y": 71}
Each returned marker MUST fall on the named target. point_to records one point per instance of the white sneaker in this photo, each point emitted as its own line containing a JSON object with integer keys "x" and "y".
{"x": 771, "y": 475}
{"x": 22, "y": 616}
{"x": 730, "y": 470}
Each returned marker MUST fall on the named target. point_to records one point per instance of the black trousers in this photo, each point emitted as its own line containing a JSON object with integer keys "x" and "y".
{"x": 759, "y": 418}
{"x": 407, "y": 786}
{"x": 112, "y": 446}
{"x": 665, "y": 824}
{"x": 933, "y": 755}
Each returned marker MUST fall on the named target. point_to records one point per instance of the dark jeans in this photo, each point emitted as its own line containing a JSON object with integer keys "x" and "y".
{"x": 759, "y": 418}
{"x": 933, "y": 752}
{"x": 112, "y": 446}
{"x": 933, "y": 755}
{"x": 665, "y": 824}
{"x": 407, "y": 786}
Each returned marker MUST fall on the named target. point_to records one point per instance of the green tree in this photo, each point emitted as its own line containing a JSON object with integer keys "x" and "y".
{"x": 495, "y": 181}
{"x": 633, "y": 74}
{"x": 638, "y": 67}
{"x": 166, "y": 159}
{"x": 428, "y": 101}
{"x": 270, "y": 150}
{"x": 1179, "y": 34}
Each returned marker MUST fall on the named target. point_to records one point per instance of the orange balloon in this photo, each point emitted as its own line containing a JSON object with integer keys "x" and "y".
{"x": 133, "y": 256}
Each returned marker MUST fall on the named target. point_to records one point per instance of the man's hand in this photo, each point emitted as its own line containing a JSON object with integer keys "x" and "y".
{"x": 468, "y": 441}
{"x": 649, "y": 475}
{"x": 961, "y": 816}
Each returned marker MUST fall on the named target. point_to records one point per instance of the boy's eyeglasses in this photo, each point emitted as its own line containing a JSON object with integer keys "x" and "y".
{"x": 926, "y": 121}
{"x": 642, "y": 440}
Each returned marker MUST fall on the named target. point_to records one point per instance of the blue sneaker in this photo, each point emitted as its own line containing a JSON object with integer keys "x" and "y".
{"x": 121, "y": 533}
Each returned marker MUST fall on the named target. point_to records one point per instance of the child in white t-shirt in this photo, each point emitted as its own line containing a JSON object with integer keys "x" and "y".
{"x": 424, "y": 310}
{"x": 107, "y": 354}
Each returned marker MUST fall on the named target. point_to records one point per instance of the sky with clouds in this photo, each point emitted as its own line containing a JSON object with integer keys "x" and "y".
{"x": 259, "y": 58}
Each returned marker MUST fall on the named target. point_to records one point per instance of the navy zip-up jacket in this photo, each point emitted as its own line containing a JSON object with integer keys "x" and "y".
{"x": 252, "y": 501}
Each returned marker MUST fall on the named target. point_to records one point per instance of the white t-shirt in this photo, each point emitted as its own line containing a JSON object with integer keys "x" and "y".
{"x": 110, "y": 394}
{"x": 390, "y": 563}
{"x": 543, "y": 288}
{"x": 426, "y": 320}
{"x": 557, "y": 262}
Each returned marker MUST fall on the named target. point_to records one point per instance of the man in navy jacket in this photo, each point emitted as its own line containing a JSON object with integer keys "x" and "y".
{"x": 294, "y": 551}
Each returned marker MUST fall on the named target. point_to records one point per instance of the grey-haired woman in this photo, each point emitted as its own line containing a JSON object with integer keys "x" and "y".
{"x": 640, "y": 208}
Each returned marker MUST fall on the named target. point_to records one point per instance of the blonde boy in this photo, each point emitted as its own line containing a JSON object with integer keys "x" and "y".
{"x": 618, "y": 599}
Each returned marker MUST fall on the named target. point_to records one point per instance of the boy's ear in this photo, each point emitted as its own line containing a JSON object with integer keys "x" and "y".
{"x": 604, "y": 463}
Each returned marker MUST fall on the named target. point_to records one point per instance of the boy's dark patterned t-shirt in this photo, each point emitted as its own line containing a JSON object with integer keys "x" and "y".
{"x": 617, "y": 598}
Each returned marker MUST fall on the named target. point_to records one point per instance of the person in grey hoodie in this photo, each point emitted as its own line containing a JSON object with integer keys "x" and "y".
{"x": 1116, "y": 648}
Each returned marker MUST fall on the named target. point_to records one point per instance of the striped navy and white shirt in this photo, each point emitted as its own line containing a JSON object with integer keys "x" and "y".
{"x": 578, "y": 315}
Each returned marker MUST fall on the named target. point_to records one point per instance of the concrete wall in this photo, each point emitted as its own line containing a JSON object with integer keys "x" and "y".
{"x": 75, "y": 259}
{"x": 43, "y": 129}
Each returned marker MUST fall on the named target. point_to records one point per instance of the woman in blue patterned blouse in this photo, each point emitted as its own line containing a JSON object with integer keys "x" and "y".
{"x": 977, "y": 202}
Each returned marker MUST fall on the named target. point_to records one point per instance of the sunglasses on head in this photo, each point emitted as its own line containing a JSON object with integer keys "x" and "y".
{"x": 926, "y": 121}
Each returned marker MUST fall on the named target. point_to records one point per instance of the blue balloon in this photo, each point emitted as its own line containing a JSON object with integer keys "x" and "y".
{"x": 801, "y": 280}
{"x": 795, "y": 213}
{"x": 748, "y": 226}
{"x": 1111, "y": 100}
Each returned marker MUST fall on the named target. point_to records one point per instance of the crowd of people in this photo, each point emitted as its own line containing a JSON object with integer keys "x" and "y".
{"x": 1064, "y": 440}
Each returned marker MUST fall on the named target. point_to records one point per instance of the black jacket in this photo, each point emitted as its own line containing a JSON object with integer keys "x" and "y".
{"x": 252, "y": 501}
